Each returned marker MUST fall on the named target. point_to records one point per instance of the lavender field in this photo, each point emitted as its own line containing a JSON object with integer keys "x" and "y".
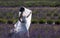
{"x": 45, "y": 21}
{"x": 48, "y": 13}
{"x": 36, "y": 30}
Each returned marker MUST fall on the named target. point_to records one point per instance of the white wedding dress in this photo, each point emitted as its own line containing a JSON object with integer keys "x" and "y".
{"x": 22, "y": 28}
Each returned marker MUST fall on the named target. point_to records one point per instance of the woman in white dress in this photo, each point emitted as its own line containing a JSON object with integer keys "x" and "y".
{"x": 21, "y": 29}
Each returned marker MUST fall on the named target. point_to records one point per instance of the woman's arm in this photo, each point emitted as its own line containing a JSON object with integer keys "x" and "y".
{"x": 20, "y": 17}
{"x": 28, "y": 15}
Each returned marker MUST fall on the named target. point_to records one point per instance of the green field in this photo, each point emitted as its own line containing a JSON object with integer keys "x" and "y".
{"x": 30, "y": 3}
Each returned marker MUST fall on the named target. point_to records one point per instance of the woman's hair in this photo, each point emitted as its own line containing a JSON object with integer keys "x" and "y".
{"x": 21, "y": 9}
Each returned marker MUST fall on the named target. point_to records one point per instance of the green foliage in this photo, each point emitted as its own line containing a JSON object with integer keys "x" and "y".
{"x": 3, "y": 21}
{"x": 34, "y": 21}
{"x": 9, "y": 15}
{"x": 30, "y": 3}
{"x": 42, "y": 21}
{"x": 57, "y": 22}
{"x": 12, "y": 21}
{"x": 43, "y": 3}
{"x": 49, "y": 21}
{"x": 9, "y": 22}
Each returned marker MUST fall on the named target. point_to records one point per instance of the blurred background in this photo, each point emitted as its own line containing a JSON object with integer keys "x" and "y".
{"x": 45, "y": 17}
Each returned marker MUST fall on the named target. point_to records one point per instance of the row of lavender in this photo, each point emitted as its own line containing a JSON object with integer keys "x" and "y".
{"x": 40, "y": 14}
{"x": 36, "y": 30}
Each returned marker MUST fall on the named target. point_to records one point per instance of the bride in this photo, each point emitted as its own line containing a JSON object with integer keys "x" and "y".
{"x": 21, "y": 29}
